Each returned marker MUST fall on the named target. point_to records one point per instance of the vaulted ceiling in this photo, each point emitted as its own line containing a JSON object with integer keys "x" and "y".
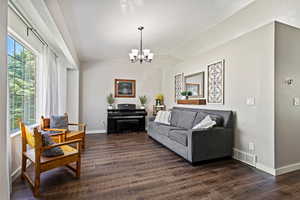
{"x": 107, "y": 29}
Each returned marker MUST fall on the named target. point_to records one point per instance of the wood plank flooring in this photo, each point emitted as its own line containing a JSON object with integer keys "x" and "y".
{"x": 133, "y": 166}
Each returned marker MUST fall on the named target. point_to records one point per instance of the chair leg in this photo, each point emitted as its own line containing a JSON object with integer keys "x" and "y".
{"x": 23, "y": 170}
{"x": 83, "y": 143}
{"x": 78, "y": 163}
{"x": 37, "y": 181}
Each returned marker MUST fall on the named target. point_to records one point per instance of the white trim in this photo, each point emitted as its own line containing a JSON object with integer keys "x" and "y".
{"x": 265, "y": 168}
{"x": 96, "y": 131}
{"x": 287, "y": 169}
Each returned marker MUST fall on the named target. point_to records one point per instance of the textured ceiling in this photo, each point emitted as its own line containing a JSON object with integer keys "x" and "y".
{"x": 107, "y": 29}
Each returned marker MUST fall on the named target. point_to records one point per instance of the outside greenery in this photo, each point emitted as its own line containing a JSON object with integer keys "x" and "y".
{"x": 22, "y": 84}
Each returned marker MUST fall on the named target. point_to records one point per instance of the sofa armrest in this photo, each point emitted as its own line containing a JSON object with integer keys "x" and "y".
{"x": 151, "y": 119}
{"x": 211, "y": 143}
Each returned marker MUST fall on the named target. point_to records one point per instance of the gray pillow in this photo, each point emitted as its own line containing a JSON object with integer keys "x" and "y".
{"x": 199, "y": 117}
{"x": 56, "y": 151}
{"x": 59, "y": 121}
{"x": 183, "y": 119}
{"x": 217, "y": 118}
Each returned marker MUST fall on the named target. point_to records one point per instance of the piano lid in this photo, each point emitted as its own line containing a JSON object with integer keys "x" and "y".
{"x": 126, "y": 106}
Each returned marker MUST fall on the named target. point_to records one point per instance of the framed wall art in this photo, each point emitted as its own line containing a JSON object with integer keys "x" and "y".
{"x": 215, "y": 83}
{"x": 124, "y": 88}
{"x": 179, "y": 85}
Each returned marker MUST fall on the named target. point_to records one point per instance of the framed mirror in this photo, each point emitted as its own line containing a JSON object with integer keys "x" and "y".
{"x": 195, "y": 84}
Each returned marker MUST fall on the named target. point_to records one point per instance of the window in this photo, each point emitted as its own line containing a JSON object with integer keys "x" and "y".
{"x": 22, "y": 84}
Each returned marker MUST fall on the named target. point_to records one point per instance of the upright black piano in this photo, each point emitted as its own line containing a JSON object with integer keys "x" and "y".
{"x": 126, "y": 118}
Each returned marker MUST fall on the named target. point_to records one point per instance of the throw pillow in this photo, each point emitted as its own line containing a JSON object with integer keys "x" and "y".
{"x": 47, "y": 140}
{"x": 217, "y": 118}
{"x": 206, "y": 123}
{"x": 163, "y": 117}
{"x": 59, "y": 121}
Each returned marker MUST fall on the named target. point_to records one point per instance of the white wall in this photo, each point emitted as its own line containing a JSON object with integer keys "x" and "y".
{"x": 287, "y": 57}
{"x": 249, "y": 72}
{"x": 256, "y": 14}
{"x": 73, "y": 95}
{"x": 97, "y": 81}
{"x": 4, "y": 180}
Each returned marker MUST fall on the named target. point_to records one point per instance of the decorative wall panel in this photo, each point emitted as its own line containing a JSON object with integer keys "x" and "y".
{"x": 216, "y": 83}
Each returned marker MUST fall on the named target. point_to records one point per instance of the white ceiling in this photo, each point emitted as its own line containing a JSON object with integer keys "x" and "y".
{"x": 107, "y": 29}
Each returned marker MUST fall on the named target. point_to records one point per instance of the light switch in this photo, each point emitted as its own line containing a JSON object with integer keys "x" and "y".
{"x": 250, "y": 101}
{"x": 296, "y": 101}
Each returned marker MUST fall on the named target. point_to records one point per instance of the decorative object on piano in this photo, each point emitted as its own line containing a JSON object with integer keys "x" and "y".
{"x": 156, "y": 109}
{"x": 179, "y": 85}
{"x": 143, "y": 100}
{"x": 124, "y": 88}
{"x": 110, "y": 100}
{"x": 216, "y": 83}
{"x": 195, "y": 84}
{"x": 159, "y": 99}
{"x": 126, "y": 118}
{"x": 185, "y": 94}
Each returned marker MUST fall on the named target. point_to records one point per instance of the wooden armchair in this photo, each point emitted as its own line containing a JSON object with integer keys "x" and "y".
{"x": 41, "y": 163}
{"x": 67, "y": 134}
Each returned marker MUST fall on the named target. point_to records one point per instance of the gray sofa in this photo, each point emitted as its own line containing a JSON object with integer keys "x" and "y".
{"x": 195, "y": 145}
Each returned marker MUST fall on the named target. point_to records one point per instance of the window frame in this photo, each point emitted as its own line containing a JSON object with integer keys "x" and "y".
{"x": 37, "y": 54}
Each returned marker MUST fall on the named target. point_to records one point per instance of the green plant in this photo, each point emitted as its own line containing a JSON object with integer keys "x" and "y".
{"x": 143, "y": 99}
{"x": 186, "y": 93}
{"x": 110, "y": 99}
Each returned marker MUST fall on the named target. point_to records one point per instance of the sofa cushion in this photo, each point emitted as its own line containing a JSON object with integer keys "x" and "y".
{"x": 182, "y": 119}
{"x": 162, "y": 129}
{"x": 59, "y": 121}
{"x": 179, "y": 136}
{"x": 175, "y": 114}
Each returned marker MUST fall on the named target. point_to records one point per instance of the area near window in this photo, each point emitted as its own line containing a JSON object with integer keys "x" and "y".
{"x": 22, "y": 84}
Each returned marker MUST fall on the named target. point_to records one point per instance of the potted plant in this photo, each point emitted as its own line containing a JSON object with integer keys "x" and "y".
{"x": 186, "y": 94}
{"x": 110, "y": 100}
{"x": 159, "y": 99}
{"x": 143, "y": 100}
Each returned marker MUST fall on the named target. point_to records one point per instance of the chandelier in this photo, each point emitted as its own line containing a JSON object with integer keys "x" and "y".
{"x": 141, "y": 55}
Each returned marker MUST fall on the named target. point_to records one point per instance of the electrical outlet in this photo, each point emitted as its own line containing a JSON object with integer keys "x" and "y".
{"x": 296, "y": 101}
{"x": 250, "y": 101}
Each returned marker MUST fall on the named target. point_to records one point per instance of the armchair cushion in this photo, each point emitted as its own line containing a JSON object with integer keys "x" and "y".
{"x": 59, "y": 121}
{"x": 47, "y": 141}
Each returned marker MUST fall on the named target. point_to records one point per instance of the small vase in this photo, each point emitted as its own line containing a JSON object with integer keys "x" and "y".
{"x": 110, "y": 107}
{"x": 142, "y": 106}
{"x": 186, "y": 97}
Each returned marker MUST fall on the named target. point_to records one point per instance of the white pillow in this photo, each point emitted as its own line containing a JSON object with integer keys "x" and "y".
{"x": 163, "y": 117}
{"x": 206, "y": 123}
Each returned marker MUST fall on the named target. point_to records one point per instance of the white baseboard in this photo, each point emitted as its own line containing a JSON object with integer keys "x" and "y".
{"x": 287, "y": 169}
{"x": 95, "y": 131}
{"x": 265, "y": 168}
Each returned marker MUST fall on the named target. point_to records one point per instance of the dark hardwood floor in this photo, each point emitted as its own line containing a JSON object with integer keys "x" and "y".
{"x": 133, "y": 166}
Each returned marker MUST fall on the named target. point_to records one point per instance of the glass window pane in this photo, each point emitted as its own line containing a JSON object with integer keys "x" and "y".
{"x": 10, "y": 46}
{"x": 18, "y": 51}
{"x": 22, "y": 86}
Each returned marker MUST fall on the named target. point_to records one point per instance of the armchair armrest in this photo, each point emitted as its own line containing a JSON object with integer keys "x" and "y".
{"x": 55, "y": 129}
{"x": 61, "y": 144}
{"x": 81, "y": 126}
